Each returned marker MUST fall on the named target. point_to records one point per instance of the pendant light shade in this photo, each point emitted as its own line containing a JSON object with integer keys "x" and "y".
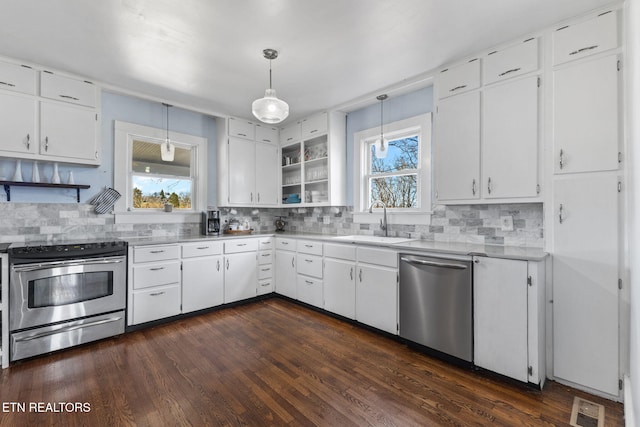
{"x": 167, "y": 149}
{"x": 270, "y": 109}
{"x": 381, "y": 148}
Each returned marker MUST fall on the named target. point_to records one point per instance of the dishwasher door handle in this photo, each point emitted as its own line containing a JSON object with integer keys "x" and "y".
{"x": 433, "y": 264}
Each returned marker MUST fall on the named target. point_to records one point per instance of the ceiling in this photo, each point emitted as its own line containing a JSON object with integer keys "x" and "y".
{"x": 207, "y": 54}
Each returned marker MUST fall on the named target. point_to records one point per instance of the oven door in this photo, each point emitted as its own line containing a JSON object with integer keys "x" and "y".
{"x": 51, "y": 292}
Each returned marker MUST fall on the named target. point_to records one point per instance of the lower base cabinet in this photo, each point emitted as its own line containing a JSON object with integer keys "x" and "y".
{"x": 377, "y": 297}
{"x": 202, "y": 283}
{"x": 310, "y": 290}
{"x": 286, "y": 282}
{"x": 240, "y": 276}
{"x": 155, "y": 303}
{"x": 509, "y": 317}
{"x": 340, "y": 286}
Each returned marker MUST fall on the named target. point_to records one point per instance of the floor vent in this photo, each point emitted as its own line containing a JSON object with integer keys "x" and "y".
{"x": 586, "y": 414}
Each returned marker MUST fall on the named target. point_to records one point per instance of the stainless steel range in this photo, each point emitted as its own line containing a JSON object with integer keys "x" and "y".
{"x": 64, "y": 295}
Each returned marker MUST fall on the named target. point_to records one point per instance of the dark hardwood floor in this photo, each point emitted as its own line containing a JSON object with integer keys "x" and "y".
{"x": 269, "y": 363}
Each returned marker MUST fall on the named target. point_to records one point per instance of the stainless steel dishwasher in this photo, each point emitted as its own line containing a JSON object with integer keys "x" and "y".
{"x": 436, "y": 303}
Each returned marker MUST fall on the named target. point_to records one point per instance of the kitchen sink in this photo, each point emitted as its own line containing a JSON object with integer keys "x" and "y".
{"x": 372, "y": 239}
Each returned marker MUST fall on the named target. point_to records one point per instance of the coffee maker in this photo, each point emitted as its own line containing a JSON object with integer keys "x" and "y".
{"x": 210, "y": 222}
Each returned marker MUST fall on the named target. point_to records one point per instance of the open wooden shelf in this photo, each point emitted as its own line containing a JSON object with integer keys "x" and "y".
{"x": 8, "y": 184}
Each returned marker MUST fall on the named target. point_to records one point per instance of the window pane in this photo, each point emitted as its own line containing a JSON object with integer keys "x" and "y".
{"x": 396, "y": 191}
{"x": 147, "y": 159}
{"x": 151, "y": 192}
{"x": 401, "y": 154}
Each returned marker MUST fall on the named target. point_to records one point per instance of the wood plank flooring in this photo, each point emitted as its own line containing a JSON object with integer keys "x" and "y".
{"x": 271, "y": 362}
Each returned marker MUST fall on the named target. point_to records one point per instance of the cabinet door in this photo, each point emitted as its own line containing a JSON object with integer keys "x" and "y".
{"x": 240, "y": 276}
{"x": 585, "y": 281}
{"x": 585, "y": 38}
{"x": 340, "y": 287}
{"x": 310, "y": 290}
{"x": 67, "y": 89}
{"x": 18, "y": 134}
{"x": 510, "y": 139}
{"x": 17, "y": 78}
{"x": 286, "y": 273}
{"x": 314, "y": 126}
{"x": 68, "y": 131}
{"x": 585, "y": 116}
{"x": 241, "y": 128}
{"x": 510, "y": 62}
{"x": 290, "y": 133}
{"x": 500, "y": 316}
{"x": 266, "y": 134}
{"x": 202, "y": 283}
{"x": 457, "y": 148}
{"x": 155, "y": 303}
{"x": 377, "y": 297}
{"x": 242, "y": 171}
{"x": 267, "y": 169}
{"x": 458, "y": 79}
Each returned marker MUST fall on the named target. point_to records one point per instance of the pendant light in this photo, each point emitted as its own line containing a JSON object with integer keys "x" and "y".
{"x": 270, "y": 109}
{"x": 380, "y": 147}
{"x": 167, "y": 149}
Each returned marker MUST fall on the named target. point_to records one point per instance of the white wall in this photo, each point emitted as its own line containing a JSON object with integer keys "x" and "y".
{"x": 632, "y": 408}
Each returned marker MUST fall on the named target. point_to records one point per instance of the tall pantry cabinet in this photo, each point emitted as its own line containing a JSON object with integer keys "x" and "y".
{"x": 585, "y": 205}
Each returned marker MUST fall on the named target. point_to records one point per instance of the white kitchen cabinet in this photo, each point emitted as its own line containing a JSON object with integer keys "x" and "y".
{"x": 154, "y": 303}
{"x": 285, "y": 266}
{"x": 585, "y": 38}
{"x": 340, "y": 286}
{"x": 309, "y": 290}
{"x": 17, "y": 78}
{"x": 508, "y": 303}
{"x": 265, "y": 265}
{"x": 457, "y": 148}
{"x": 510, "y": 140}
{"x": 67, "y": 89}
{"x": 266, "y": 174}
{"x": 291, "y": 133}
{"x": 585, "y": 280}
{"x": 241, "y": 128}
{"x": 266, "y": 134}
{"x": 459, "y": 78}
{"x": 510, "y": 62}
{"x": 68, "y": 132}
{"x": 377, "y": 289}
{"x": 242, "y": 171}
{"x": 202, "y": 276}
{"x": 314, "y": 167}
{"x": 586, "y": 101}
{"x": 18, "y": 135}
{"x": 240, "y": 276}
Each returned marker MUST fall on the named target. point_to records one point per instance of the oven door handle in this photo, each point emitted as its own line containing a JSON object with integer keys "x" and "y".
{"x": 70, "y": 263}
{"x": 68, "y": 329}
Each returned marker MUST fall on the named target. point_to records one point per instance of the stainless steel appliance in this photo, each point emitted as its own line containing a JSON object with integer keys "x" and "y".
{"x": 210, "y": 222}
{"x": 436, "y": 303}
{"x": 65, "y": 295}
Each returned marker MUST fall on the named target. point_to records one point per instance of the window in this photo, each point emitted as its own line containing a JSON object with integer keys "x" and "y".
{"x": 147, "y": 183}
{"x": 401, "y": 179}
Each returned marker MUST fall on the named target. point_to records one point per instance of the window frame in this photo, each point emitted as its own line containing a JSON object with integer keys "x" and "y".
{"x": 124, "y": 135}
{"x": 421, "y": 126}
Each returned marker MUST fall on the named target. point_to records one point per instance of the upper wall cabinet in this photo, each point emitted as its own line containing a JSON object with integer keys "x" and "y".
{"x": 511, "y": 62}
{"x": 291, "y": 133}
{"x": 458, "y": 79}
{"x": 585, "y": 38}
{"x": 241, "y": 128}
{"x": 59, "y": 123}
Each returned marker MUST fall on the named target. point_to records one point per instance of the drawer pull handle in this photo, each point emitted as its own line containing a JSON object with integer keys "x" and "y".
{"x": 360, "y": 275}
{"x": 155, "y": 294}
{"x": 575, "y": 52}
{"x": 473, "y": 187}
{"x": 457, "y": 88}
{"x": 218, "y": 265}
{"x": 308, "y": 282}
{"x": 513, "y": 70}
{"x": 242, "y": 134}
{"x": 241, "y": 244}
{"x": 265, "y": 284}
{"x": 308, "y": 246}
{"x": 308, "y": 260}
{"x": 293, "y": 262}
{"x": 28, "y": 141}
{"x": 351, "y": 273}
{"x": 156, "y": 268}
{"x": 46, "y": 143}
{"x": 203, "y": 247}
{"x": 266, "y": 269}
{"x": 7, "y": 84}
{"x": 73, "y": 98}
{"x": 284, "y": 243}
{"x": 266, "y": 254}
{"x": 157, "y": 252}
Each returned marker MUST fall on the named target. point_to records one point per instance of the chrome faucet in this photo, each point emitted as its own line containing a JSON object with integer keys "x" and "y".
{"x": 383, "y": 222}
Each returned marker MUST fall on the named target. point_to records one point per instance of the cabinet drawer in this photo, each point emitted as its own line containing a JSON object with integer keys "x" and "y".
{"x": 66, "y": 89}
{"x": 205, "y": 248}
{"x": 240, "y": 245}
{"x": 265, "y": 257}
{"x": 458, "y": 79}
{"x": 309, "y": 247}
{"x": 154, "y": 304}
{"x": 145, "y": 276}
{"x": 265, "y": 287}
{"x": 314, "y": 126}
{"x": 265, "y": 271}
{"x": 266, "y": 134}
{"x": 266, "y": 243}
{"x": 241, "y": 128}
{"x": 310, "y": 291}
{"x": 379, "y": 257}
{"x": 286, "y": 244}
{"x": 17, "y": 78}
{"x": 346, "y": 252}
{"x": 510, "y": 62}
{"x": 586, "y": 38}
{"x": 290, "y": 133}
{"x": 310, "y": 265}
{"x": 155, "y": 253}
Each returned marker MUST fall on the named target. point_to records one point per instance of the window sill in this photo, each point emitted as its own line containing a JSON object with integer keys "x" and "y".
{"x": 156, "y": 217}
{"x": 402, "y": 218}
